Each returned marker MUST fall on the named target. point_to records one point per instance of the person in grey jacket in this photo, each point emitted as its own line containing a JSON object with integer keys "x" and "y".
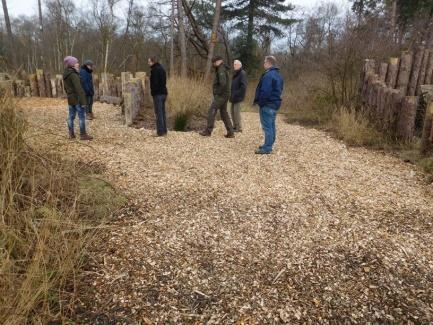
{"x": 238, "y": 91}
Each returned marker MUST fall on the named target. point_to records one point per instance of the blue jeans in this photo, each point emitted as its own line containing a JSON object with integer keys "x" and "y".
{"x": 73, "y": 110}
{"x": 89, "y": 104}
{"x": 267, "y": 119}
{"x": 159, "y": 106}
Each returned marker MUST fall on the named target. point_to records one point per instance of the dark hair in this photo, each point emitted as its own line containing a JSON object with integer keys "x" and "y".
{"x": 271, "y": 59}
{"x": 217, "y": 58}
{"x": 153, "y": 58}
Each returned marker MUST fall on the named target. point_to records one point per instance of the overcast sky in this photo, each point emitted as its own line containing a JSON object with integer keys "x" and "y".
{"x": 29, "y": 7}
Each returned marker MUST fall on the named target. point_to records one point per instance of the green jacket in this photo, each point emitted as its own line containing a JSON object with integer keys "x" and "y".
{"x": 221, "y": 83}
{"x": 73, "y": 88}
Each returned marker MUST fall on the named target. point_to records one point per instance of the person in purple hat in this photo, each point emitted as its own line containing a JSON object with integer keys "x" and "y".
{"x": 77, "y": 101}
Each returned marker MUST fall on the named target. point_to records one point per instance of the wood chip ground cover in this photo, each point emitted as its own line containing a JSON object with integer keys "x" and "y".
{"x": 316, "y": 232}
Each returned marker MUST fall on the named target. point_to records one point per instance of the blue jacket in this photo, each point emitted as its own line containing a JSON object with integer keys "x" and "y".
{"x": 269, "y": 89}
{"x": 87, "y": 80}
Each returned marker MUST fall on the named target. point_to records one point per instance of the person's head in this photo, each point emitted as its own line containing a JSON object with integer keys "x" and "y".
{"x": 269, "y": 62}
{"x": 217, "y": 61}
{"x": 71, "y": 62}
{"x": 89, "y": 64}
{"x": 152, "y": 60}
{"x": 237, "y": 65}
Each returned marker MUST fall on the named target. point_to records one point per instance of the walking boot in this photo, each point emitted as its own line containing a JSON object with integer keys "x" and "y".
{"x": 230, "y": 135}
{"x": 85, "y": 137}
{"x": 71, "y": 135}
{"x": 205, "y": 133}
{"x": 90, "y": 116}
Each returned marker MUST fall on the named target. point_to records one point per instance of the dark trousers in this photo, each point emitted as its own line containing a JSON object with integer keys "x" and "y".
{"x": 89, "y": 104}
{"x": 159, "y": 106}
{"x": 221, "y": 105}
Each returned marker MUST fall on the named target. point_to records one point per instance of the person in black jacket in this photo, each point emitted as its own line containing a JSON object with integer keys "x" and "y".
{"x": 158, "y": 90}
{"x": 238, "y": 91}
{"x": 87, "y": 83}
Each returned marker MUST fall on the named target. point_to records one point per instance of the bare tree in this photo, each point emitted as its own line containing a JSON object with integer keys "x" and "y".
{"x": 9, "y": 32}
{"x": 173, "y": 6}
{"x": 213, "y": 38}
{"x": 182, "y": 40}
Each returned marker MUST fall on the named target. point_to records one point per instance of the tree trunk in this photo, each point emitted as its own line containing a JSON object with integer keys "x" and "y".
{"x": 12, "y": 53}
{"x": 404, "y": 73}
{"x": 173, "y": 5}
{"x": 41, "y": 26}
{"x": 415, "y": 71}
{"x": 393, "y": 19}
{"x": 250, "y": 31}
{"x": 182, "y": 40}
{"x": 213, "y": 38}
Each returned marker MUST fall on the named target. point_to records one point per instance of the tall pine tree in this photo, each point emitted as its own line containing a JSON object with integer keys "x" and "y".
{"x": 265, "y": 18}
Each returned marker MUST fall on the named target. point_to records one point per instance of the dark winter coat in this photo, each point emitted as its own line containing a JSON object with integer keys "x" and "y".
{"x": 87, "y": 80}
{"x": 221, "y": 83}
{"x": 73, "y": 88}
{"x": 269, "y": 89}
{"x": 239, "y": 86}
{"x": 158, "y": 80}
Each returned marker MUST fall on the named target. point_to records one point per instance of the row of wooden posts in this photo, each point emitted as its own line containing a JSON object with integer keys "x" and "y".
{"x": 399, "y": 95}
{"x": 130, "y": 91}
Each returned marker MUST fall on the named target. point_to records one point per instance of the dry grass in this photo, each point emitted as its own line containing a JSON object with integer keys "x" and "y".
{"x": 354, "y": 128}
{"x": 188, "y": 98}
{"x": 42, "y": 230}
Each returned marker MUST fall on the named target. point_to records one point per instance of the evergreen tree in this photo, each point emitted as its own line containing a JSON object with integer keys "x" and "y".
{"x": 264, "y": 18}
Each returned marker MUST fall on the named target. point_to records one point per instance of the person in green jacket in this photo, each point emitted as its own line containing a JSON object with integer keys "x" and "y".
{"x": 77, "y": 101}
{"x": 221, "y": 93}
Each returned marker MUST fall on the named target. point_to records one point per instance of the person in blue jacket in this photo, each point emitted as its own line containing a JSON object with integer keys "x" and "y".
{"x": 268, "y": 97}
{"x": 87, "y": 83}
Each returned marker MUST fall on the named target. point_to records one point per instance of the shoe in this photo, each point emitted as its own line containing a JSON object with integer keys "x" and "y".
{"x": 72, "y": 136}
{"x": 237, "y": 130}
{"x": 230, "y": 135}
{"x": 205, "y": 133}
{"x": 90, "y": 116}
{"x": 262, "y": 152}
{"x": 85, "y": 137}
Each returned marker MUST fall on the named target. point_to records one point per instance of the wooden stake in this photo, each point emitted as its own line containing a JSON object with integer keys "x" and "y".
{"x": 383, "y": 70}
{"x": 416, "y": 69}
{"x": 406, "y": 118}
{"x": 404, "y": 73}
{"x": 391, "y": 77}
{"x": 426, "y": 144}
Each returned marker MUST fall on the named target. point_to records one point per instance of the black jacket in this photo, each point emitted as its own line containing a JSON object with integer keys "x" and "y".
{"x": 87, "y": 80}
{"x": 158, "y": 79}
{"x": 239, "y": 86}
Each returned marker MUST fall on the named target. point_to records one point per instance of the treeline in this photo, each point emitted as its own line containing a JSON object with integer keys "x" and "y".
{"x": 120, "y": 35}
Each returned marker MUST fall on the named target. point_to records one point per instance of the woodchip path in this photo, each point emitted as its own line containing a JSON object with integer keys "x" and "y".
{"x": 316, "y": 232}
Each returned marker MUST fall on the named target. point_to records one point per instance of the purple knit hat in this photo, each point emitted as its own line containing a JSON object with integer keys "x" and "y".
{"x": 70, "y": 61}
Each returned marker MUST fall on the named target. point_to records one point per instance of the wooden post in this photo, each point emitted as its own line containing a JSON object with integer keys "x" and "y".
{"x": 27, "y": 91}
{"x": 406, "y": 118}
{"x": 97, "y": 92}
{"x": 404, "y": 73}
{"x": 41, "y": 82}
{"x": 429, "y": 71}
{"x": 391, "y": 77}
{"x": 19, "y": 88}
{"x": 60, "y": 91}
{"x": 383, "y": 70}
{"x": 133, "y": 100}
{"x": 125, "y": 77}
{"x": 423, "y": 72}
{"x": 381, "y": 102}
{"x": 48, "y": 88}
{"x": 369, "y": 68}
{"x": 416, "y": 69}
{"x": 53, "y": 87}
{"x": 34, "y": 85}
{"x": 387, "y": 109}
{"x": 426, "y": 144}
